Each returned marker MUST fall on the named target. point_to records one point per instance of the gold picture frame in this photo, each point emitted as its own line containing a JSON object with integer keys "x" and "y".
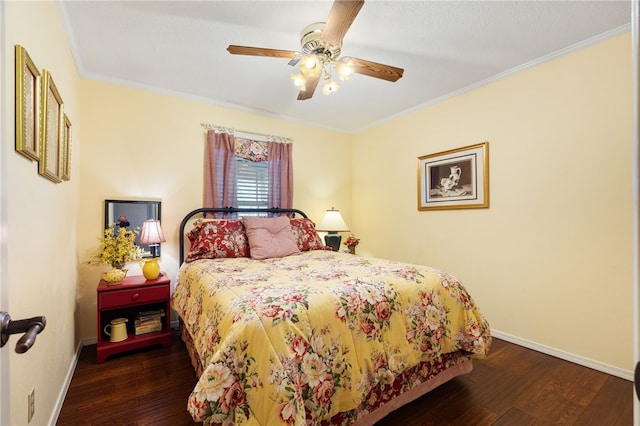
{"x": 66, "y": 149}
{"x": 454, "y": 179}
{"x": 52, "y": 132}
{"x": 27, "y": 105}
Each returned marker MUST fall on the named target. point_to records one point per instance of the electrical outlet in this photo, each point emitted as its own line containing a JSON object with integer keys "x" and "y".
{"x": 31, "y": 405}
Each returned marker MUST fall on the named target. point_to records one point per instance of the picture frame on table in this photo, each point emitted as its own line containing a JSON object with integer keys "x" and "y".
{"x": 454, "y": 179}
{"x": 66, "y": 149}
{"x": 51, "y": 137}
{"x": 27, "y": 103}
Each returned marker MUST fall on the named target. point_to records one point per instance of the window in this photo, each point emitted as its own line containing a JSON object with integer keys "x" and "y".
{"x": 252, "y": 180}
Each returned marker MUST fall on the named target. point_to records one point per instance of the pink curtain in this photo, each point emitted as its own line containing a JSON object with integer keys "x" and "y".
{"x": 219, "y": 171}
{"x": 280, "y": 167}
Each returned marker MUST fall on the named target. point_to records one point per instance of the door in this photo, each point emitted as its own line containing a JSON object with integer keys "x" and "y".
{"x": 4, "y": 146}
{"x": 635, "y": 55}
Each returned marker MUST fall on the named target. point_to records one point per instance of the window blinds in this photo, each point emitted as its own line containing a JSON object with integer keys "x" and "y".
{"x": 252, "y": 183}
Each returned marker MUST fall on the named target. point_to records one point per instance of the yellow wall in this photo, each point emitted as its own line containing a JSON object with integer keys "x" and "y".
{"x": 551, "y": 260}
{"x": 142, "y": 145}
{"x": 41, "y": 220}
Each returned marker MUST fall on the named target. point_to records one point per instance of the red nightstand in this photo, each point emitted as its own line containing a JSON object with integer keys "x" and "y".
{"x": 126, "y": 300}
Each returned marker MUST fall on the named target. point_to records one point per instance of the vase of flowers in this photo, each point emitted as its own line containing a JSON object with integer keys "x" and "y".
{"x": 351, "y": 242}
{"x": 117, "y": 246}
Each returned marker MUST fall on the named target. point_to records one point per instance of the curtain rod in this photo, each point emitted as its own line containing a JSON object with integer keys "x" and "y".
{"x": 271, "y": 138}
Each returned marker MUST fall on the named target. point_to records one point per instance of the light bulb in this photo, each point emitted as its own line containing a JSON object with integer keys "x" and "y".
{"x": 310, "y": 65}
{"x": 299, "y": 80}
{"x": 344, "y": 68}
{"x": 330, "y": 86}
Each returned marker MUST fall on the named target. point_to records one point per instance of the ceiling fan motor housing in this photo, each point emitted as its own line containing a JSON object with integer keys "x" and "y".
{"x": 312, "y": 44}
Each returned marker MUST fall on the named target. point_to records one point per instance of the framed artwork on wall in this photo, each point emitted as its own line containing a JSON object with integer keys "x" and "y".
{"x": 454, "y": 179}
{"x": 51, "y": 138}
{"x": 66, "y": 149}
{"x": 27, "y": 105}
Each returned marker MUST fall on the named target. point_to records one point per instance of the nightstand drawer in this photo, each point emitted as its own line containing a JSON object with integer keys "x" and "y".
{"x": 108, "y": 300}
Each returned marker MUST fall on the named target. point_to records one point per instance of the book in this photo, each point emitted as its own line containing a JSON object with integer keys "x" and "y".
{"x": 148, "y": 330}
{"x": 142, "y": 327}
{"x": 150, "y": 315}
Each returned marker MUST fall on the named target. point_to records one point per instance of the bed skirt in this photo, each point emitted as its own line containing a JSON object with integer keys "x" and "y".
{"x": 384, "y": 399}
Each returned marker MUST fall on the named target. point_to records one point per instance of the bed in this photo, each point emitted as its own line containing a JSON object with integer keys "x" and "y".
{"x": 281, "y": 330}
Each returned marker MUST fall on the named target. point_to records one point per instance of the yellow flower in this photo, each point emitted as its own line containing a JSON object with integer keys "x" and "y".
{"x": 117, "y": 247}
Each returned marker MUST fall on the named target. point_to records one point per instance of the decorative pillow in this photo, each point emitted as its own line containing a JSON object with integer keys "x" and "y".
{"x": 306, "y": 236}
{"x": 270, "y": 237}
{"x": 212, "y": 239}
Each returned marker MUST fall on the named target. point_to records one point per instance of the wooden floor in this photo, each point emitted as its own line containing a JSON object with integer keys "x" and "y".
{"x": 513, "y": 386}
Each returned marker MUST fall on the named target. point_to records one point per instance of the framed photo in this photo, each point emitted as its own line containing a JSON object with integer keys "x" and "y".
{"x": 454, "y": 179}
{"x": 51, "y": 138}
{"x": 27, "y": 105}
{"x": 66, "y": 149}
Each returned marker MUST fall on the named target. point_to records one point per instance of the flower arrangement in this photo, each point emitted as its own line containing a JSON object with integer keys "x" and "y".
{"x": 117, "y": 248}
{"x": 352, "y": 241}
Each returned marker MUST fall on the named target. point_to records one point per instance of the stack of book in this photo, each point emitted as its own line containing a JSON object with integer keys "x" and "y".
{"x": 149, "y": 321}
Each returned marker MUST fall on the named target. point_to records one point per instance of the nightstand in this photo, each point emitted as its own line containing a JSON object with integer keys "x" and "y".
{"x": 135, "y": 295}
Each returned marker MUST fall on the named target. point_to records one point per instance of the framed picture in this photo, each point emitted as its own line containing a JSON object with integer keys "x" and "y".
{"x": 27, "y": 105}
{"x": 66, "y": 149}
{"x": 51, "y": 138}
{"x": 454, "y": 179}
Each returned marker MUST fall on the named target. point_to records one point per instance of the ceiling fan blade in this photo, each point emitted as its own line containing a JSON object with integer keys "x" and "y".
{"x": 341, "y": 16}
{"x": 310, "y": 87}
{"x": 260, "y": 51}
{"x": 374, "y": 69}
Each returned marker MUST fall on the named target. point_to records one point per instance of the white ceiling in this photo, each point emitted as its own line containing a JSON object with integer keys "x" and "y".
{"x": 179, "y": 47}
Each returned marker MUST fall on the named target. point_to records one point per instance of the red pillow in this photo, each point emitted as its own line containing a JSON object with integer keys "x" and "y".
{"x": 306, "y": 236}
{"x": 212, "y": 239}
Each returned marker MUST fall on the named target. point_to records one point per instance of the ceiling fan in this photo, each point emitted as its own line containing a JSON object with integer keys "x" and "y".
{"x": 320, "y": 54}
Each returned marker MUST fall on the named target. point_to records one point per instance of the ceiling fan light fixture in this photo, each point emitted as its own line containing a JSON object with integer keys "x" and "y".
{"x": 299, "y": 81}
{"x": 330, "y": 85}
{"x": 310, "y": 65}
{"x": 344, "y": 68}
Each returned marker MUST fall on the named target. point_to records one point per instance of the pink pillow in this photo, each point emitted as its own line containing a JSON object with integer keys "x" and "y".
{"x": 270, "y": 237}
{"x": 306, "y": 236}
{"x": 211, "y": 239}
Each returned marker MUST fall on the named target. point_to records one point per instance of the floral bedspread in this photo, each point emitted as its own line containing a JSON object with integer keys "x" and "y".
{"x": 298, "y": 339}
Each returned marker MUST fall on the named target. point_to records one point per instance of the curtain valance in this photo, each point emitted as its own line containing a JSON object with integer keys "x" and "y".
{"x": 232, "y": 131}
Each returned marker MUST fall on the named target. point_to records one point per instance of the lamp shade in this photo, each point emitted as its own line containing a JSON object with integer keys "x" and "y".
{"x": 333, "y": 222}
{"x": 151, "y": 232}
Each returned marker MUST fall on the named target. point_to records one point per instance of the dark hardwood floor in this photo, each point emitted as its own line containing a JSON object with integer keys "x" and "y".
{"x": 513, "y": 386}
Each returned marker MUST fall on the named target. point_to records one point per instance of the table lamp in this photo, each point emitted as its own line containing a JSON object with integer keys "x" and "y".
{"x": 151, "y": 234}
{"x": 333, "y": 223}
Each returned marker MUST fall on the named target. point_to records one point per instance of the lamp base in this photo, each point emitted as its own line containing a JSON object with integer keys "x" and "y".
{"x": 151, "y": 269}
{"x": 333, "y": 240}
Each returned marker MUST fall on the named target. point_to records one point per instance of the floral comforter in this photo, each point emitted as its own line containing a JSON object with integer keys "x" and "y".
{"x": 299, "y": 339}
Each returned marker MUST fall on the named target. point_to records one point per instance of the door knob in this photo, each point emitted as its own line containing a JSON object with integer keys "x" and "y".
{"x": 636, "y": 380}
{"x": 30, "y": 327}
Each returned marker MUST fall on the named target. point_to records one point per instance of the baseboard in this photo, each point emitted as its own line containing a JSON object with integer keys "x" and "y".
{"x": 65, "y": 388}
{"x": 585, "y": 362}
